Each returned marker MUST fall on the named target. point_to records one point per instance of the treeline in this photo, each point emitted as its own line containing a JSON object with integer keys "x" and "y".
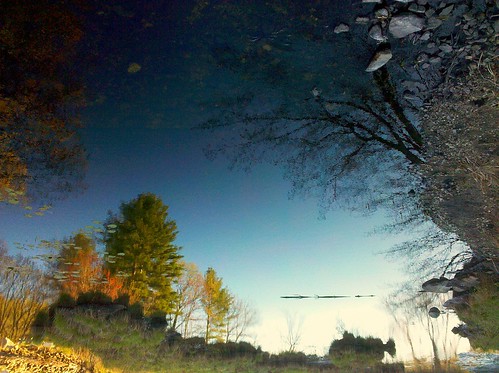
{"x": 139, "y": 263}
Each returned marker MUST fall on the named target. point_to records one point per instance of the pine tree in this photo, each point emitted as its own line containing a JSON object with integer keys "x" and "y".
{"x": 139, "y": 246}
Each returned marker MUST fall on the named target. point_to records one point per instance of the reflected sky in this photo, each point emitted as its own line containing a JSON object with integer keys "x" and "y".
{"x": 138, "y": 131}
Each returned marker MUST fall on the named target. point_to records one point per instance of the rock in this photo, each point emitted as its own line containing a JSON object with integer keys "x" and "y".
{"x": 342, "y": 27}
{"x": 380, "y": 58}
{"x": 376, "y": 33}
{"x": 455, "y": 302}
{"x": 446, "y": 48}
{"x": 417, "y": 9}
{"x": 446, "y": 11}
{"x": 422, "y": 2}
{"x": 7, "y": 343}
{"x": 404, "y": 1}
{"x": 48, "y": 345}
{"x": 426, "y": 36}
{"x": 405, "y": 24}
{"x": 437, "y": 285}
{"x": 362, "y": 20}
{"x": 433, "y": 23}
{"x": 435, "y": 60}
{"x": 434, "y": 312}
{"x": 372, "y": 1}
{"x": 381, "y": 13}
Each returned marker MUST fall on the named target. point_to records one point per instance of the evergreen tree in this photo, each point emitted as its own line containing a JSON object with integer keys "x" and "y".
{"x": 216, "y": 301}
{"x": 139, "y": 246}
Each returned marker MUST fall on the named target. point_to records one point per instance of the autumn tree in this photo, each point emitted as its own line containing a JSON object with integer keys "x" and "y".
{"x": 79, "y": 268}
{"x": 140, "y": 240}
{"x": 40, "y": 94}
{"x": 189, "y": 290}
{"x": 216, "y": 301}
{"x": 24, "y": 291}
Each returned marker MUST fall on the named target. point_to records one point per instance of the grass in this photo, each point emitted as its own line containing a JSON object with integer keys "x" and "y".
{"x": 120, "y": 346}
{"x": 482, "y": 315}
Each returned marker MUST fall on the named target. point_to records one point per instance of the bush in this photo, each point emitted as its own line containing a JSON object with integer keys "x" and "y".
{"x": 42, "y": 319}
{"x": 65, "y": 301}
{"x": 94, "y": 298}
{"x": 194, "y": 346}
{"x": 157, "y": 320}
{"x": 136, "y": 311}
{"x": 288, "y": 358}
{"x": 231, "y": 350}
{"x": 123, "y": 299}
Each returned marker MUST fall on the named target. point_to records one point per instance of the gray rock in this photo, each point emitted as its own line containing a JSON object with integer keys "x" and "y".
{"x": 422, "y": 2}
{"x": 455, "y": 302}
{"x": 437, "y": 285}
{"x": 372, "y": 1}
{"x": 342, "y": 27}
{"x": 380, "y": 58}
{"x": 417, "y": 9}
{"x": 446, "y": 48}
{"x": 362, "y": 20}
{"x": 376, "y": 33}
{"x": 433, "y": 23}
{"x": 381, "y": 13}
{"x": 429, "y": 12}
{"x": 405, "y": 24}
{"x": 426, "y": 36}
{"x": 447, "y": 10}
{"x": 435, "y": 60}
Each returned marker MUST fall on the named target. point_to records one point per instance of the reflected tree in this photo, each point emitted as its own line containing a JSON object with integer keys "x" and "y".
{"x": 40, "y": 94}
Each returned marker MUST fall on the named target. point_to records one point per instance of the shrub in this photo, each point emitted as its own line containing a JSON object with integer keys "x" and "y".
{"x": 288, "y": 358}
{"x": 123, "y": 299}
{"x": 231, "y": 350}
{"x": 94, "y": 298}
{"x": 136, "y": 311}
{"x": 42, "y": 319}
{"x": 157, "y": 320}
{"x": 65, "y": 301}
{"x": 194, "y": 346}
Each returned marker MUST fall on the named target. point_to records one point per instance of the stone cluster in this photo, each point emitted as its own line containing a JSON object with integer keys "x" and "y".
{"x": 31, "y": 358}
{"x": 443, "y": 36}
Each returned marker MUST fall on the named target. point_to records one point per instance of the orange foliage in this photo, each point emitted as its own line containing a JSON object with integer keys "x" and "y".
{"x": 111, "y": 285}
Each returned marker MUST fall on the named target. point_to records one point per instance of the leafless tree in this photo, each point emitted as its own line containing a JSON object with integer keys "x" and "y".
{"x": 240, "y": 317}
{"x": 294, "y": 331}
{"x": 189, "y": 290}
{"x": 24, "y": 292}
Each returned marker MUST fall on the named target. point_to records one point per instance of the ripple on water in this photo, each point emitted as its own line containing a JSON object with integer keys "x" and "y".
{"x": 479, "y": 362}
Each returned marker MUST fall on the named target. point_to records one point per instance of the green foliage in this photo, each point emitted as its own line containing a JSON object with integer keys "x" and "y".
{"x": 139, "y": 246}
{"x": 481, "y": 317}
{"x": 65, "y": 301}
{"x": 94, "y": 298}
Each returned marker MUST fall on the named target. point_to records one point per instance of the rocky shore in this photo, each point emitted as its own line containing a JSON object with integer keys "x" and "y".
{"x": 45, "y": 358}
